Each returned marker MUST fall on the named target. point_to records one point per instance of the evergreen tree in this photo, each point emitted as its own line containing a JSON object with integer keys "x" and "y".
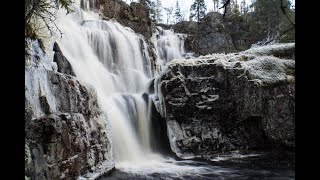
{"x": 198, "y": 10}
{"x": 37, "y": 11}
{"x": 268, "y": 21}
{"x": 235, "y": 9}
{"x": 155, "y": 9}
{"x": 152, "y": 11}
{"x": 243, "y": 7}
{"x": 169, "y": 11}
{"x": 158, "y": 10}
{"x": 235, "y": 26}
{"x": 177, "y": 13}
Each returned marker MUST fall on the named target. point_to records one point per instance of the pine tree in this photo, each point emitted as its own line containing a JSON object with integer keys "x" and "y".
{"x": 169, "y": 11}
{"x": 267, "y": 14}
{"x": 158, "y": 10}
{"x": 268, "y": 22}
{"x": 151, "y": 6}
{"x": 198, "y": 10}
{"x": 177, "y": 13}
{"x": 37, "y": 11}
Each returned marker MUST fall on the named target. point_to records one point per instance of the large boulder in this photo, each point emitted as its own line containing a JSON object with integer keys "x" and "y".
{"x": 135, "y": 15}
{"x": 220, "y": 103}
{"x": 66, "y": 133}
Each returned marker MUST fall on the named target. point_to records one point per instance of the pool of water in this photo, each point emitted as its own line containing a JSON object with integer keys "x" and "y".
{"x": 252, "y": 166}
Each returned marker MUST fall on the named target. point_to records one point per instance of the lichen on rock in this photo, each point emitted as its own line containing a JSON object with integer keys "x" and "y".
{"x": 220, "y": 103}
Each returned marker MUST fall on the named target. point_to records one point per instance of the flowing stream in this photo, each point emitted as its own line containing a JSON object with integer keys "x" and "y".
{"x": 115, "y": 61}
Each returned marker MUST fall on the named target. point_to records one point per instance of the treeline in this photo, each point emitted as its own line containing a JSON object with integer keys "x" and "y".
{"x": 261, "y": 20}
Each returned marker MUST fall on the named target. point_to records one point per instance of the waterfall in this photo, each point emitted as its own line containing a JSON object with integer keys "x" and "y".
{"x": 169, "y": 46}
{"x": 115, "y": 61}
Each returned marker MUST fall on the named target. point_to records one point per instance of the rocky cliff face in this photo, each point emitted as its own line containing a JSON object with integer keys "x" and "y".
{"x": 208, "y": 36}
{"x": 135, "y": 16}
{"x": 67, "y": 134}
{"x": 219, "y": 103}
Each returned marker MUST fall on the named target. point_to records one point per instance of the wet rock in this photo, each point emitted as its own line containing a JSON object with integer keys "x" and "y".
{"x": 66, "y": 133}
{"x": 63, "y": 64}
{"x": 218, "y": 103}
{"x": 135, "y": 15}
{"x": 62, "y": 145}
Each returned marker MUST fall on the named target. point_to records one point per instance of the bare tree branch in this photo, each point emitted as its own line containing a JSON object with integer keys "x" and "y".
{"x": 283, "y": 9}
{"x": 225, "y": 7}
{"x": 44, "y": 10}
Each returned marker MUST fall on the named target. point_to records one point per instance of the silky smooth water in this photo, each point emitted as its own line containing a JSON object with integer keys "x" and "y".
{"x": 115, "y": 61}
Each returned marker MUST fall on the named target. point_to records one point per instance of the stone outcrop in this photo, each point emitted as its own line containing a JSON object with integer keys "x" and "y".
{"x": 63, "y": 64}
{"x": 66, "y": 133}
{"x": 220, "y": 103}
{"x": 135, "y": 16}
{"x": 206, "y": 37}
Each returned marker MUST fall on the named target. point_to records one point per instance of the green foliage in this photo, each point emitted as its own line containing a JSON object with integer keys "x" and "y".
{"x": 65, "y": 4}
{"x": 177, "y": 13}
{"x": 198, "y": 10}
{"x": 169, "y": 13}
{"x": 270, "y": 22}
{"x": 43, "y": 10}
{"x": 155, "y": 9}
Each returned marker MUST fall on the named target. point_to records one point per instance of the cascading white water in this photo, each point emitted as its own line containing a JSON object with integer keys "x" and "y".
{"x": 111, "y": 58}
{"x": 115, "y": 61}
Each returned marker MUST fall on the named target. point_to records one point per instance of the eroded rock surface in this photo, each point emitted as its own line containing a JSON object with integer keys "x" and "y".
{"x": 63, "y": 64}
{"x": 135, "y": 15}
{"x": 219, "y": 103}
{"x": 208, "y": 36}
{"x": 67, "y": 134}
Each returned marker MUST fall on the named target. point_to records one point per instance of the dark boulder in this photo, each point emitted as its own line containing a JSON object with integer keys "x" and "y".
{"x": 221, "y": 103}
{"x": 206, "y": 37}
{"x": 66, "y": 133}
{"x": 135, "y": 16}
{"x": 63, "y": 64}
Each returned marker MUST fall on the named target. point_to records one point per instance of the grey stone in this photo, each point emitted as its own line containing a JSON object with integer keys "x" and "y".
{"x": 66, "y": 133}
{"x": 64, "y": 65}
{"x": 135, "y": 15}
{"x": 213, "y": 105}
{"x": 208, "y": 36}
